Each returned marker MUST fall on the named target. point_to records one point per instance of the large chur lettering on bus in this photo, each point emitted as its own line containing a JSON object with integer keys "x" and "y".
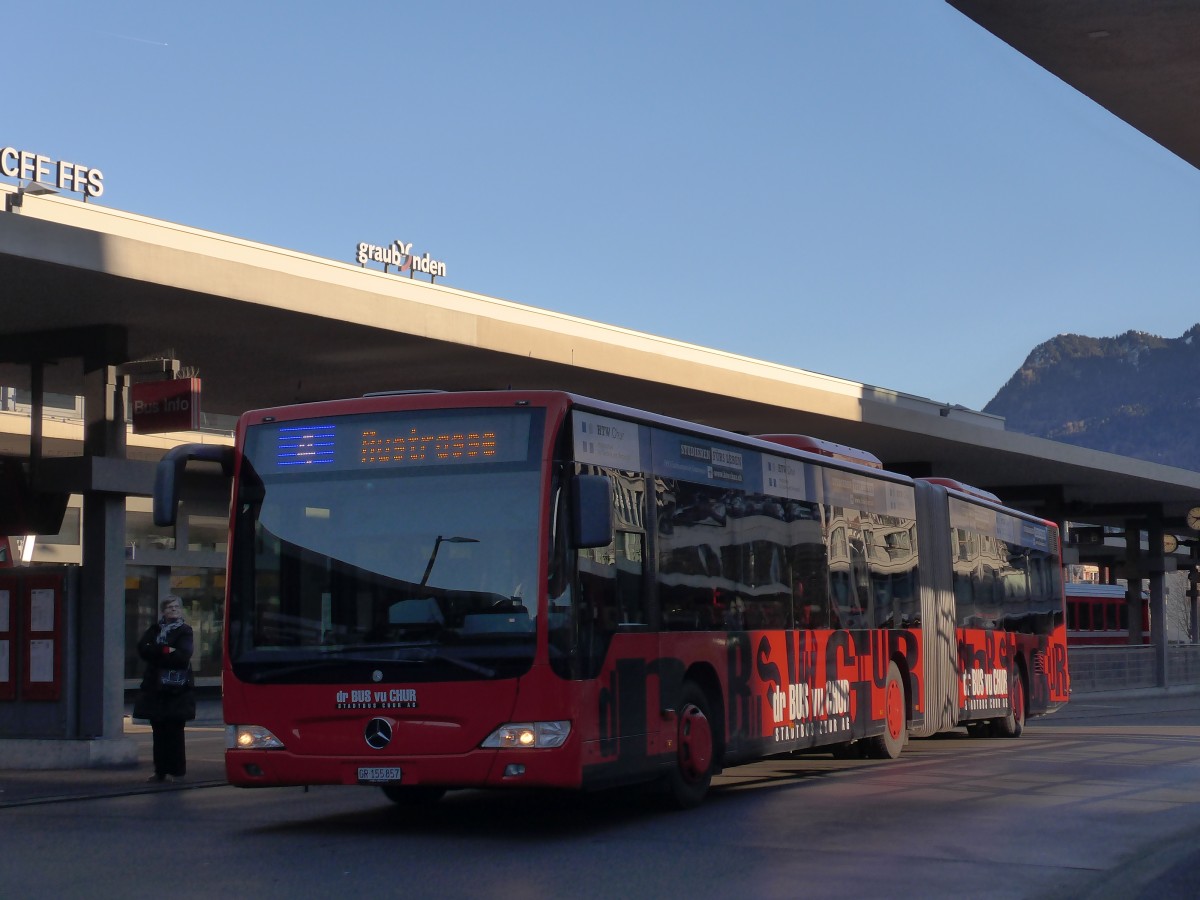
{"x": 807, "y": 688}
{"x": 985, "y": 668}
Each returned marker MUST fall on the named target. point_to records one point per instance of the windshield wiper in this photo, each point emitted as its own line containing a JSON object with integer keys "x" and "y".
{"x": 433, "y": 654}
{"x": 427, "y": 654}
{"x": 318, "y": 663}
{"x": 324, "y": 662}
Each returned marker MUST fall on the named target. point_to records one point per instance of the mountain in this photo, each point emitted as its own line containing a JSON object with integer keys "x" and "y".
{"x": 1136, "y": 394}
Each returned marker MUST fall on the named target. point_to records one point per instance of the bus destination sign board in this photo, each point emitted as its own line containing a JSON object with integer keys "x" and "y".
{"x": 393, "y": 440}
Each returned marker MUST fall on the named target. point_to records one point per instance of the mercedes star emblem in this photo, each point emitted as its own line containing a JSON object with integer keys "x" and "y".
{"x": 378, "y": 733}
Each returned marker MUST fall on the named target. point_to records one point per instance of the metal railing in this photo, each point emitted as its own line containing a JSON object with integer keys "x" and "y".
{"x": 1124, "y": 668}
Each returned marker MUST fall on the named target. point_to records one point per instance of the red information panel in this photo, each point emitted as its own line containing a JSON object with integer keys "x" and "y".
{"x": 42, "y": 638}
{"x": 9, "y": 591}
{"x": 162, "y": 406}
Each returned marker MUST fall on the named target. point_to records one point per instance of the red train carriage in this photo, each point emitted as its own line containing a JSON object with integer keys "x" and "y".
{"x": 1098, "y": 614}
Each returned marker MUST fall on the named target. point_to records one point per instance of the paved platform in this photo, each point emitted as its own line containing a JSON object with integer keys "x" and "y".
{"x": 205, "y": 744}
{"x": 206, "y": 749}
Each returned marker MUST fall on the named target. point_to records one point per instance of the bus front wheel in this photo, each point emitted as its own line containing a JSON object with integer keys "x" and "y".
{"x": 689, "y": 779}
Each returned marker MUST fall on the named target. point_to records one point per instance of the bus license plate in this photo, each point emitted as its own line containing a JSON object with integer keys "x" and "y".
{"x": 379, "y": 774}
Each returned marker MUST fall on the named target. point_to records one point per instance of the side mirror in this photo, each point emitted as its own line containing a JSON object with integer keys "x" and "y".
{"x": 170, "y": 471}
{"x": 591, "y": 511}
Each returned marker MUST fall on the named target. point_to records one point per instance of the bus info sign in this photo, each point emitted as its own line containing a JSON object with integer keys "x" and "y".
{"x": 160, "y": 406}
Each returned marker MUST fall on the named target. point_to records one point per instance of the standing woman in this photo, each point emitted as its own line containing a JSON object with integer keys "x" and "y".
{"x": 167, "y": 698}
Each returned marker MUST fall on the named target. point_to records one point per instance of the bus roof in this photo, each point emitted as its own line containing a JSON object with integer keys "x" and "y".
{"x": 836, "y": 454}
{"x": 964, "y": 489}
{"x": 824, "y": 448}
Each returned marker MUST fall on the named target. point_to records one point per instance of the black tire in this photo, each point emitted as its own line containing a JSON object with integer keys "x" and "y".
{"x": 846, "y": 750}
{"x": 695, "y": 749}
{"x": 413, "y": 795}
{"x": 979, "y": 729}
{"x": 1013, "y": 724}
{"x": 890, "y": 744}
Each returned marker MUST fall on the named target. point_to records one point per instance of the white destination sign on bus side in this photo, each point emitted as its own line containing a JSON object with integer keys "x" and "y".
{"x": 601, "y": 441}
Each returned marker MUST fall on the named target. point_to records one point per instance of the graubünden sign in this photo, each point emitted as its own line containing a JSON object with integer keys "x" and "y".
{"x": 400, "y": 255}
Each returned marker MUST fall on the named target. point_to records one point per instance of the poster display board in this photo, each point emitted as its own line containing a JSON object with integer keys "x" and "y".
{"x": 40, "y": 644}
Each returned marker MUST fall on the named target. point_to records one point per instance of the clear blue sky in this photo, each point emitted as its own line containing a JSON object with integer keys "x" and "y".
{"x": 878, "y": 191}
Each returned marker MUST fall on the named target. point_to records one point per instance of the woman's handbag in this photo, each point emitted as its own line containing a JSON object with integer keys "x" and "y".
{"x": 172, "y": 681}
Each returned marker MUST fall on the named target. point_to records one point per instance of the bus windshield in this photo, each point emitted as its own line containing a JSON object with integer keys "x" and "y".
{"x": 426, "y": 566}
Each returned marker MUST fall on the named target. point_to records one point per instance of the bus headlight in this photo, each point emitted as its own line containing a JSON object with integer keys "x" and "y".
{"x": 533, "y": 735}
{"x": 250, "y": 737}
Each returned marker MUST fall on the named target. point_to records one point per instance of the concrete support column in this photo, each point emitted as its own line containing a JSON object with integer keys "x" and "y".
{"x": 102, "y": 588}
{"x": 1194, "y": 601}
{"x": 1133, "y": 591}
{"x": 1158, "y": 601}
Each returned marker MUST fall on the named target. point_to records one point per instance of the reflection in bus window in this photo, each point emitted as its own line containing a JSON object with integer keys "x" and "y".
{"x": 1005, "y": 584}
{"x": 891, "y": 554}
{"x": 848, "y": 569}
{"x": 732, "y": 560}
{"x": 610, "y": 596}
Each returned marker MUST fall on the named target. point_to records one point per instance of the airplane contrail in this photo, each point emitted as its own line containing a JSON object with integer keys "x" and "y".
{"x": 129, "y": 37}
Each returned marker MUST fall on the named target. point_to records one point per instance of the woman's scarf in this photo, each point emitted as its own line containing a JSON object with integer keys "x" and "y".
{"x": 165, "y": 628}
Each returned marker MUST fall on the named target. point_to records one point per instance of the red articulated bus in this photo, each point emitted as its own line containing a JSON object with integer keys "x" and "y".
{"x": 430, "y": 591}
{"x": 1098, "y": 614}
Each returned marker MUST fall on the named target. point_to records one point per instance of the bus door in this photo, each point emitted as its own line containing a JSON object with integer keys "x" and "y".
{"x": 616, "y": 647}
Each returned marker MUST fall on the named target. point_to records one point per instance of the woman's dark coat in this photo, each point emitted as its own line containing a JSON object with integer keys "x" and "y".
{"x": 153, "y": 703}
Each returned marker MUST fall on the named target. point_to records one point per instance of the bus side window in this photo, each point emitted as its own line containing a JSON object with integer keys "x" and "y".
{"x": 630, "y": 554}
{"x": 693, "y": 527}
{"x": 610, "y": 579}
{"x": 849, "y": 583}
{"x": 810, "y": 582}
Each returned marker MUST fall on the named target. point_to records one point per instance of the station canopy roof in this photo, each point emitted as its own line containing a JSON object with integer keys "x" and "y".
{"x": 1139, "y": 60}
{"x": 266, "y": 326}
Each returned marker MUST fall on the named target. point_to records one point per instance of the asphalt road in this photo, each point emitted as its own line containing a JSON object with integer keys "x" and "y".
{"x": 1102, "y": 800}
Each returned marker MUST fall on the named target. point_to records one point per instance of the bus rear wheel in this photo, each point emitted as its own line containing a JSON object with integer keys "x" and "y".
{"x": 689, "y": 779}
{"x": 895, "y": 718}
{"x": 1013, "y": 724}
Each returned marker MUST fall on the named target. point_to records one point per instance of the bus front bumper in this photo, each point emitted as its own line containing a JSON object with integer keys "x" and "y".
{"x": 558, "y": 768}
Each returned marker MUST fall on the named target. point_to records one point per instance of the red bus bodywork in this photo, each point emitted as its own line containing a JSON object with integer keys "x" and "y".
{"x": 702, "y": 669}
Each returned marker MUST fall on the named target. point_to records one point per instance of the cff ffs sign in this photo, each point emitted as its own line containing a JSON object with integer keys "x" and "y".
{"x": 67, "y": 176}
